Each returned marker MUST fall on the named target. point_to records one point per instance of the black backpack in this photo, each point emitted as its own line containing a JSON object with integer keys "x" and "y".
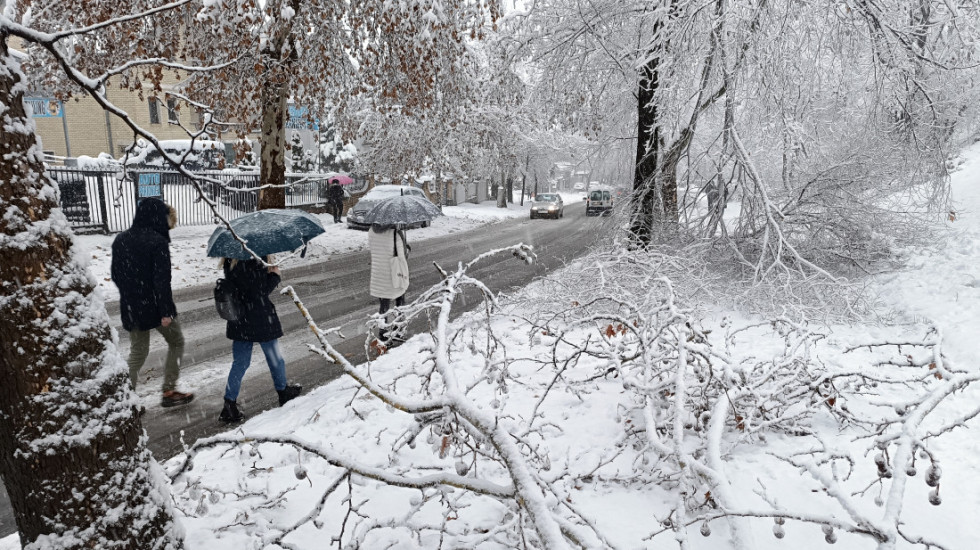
{"x": 227, "y": 302}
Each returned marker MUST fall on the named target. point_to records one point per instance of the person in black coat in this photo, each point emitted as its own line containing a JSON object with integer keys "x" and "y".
{"x": 141, "y": 270}
{"x": 252, "y": 283}
{"x": 335, "y": 200}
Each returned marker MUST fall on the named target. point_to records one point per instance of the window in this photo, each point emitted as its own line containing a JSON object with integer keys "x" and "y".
{"x": 154, "y": 110}
{"x": 173, "y": 116}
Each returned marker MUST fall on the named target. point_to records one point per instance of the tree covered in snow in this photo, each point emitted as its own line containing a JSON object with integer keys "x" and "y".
{"x": 73, "y": 452}
{"x": 752, "y": 102}
{"x": 335, "y": 155}
{"x": 300, "y": 158}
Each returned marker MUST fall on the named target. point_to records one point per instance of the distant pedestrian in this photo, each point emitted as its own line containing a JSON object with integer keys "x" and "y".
{"x": 386, "y": 244}
{"x": 335, "y": 200}
{"x": 141, "y": 270}
{"x": 253, "y": 282}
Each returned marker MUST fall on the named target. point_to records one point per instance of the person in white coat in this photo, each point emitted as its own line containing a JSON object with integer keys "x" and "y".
{"x": 389, "y": 267}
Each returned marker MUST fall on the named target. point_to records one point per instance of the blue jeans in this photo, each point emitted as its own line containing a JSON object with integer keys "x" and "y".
{"x": 241, "y": 358}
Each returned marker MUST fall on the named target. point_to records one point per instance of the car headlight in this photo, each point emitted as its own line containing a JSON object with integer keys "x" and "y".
{"x": 552, "y": 207}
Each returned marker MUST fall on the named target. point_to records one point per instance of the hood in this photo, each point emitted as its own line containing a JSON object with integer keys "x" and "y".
{"x": 153, "y": 213}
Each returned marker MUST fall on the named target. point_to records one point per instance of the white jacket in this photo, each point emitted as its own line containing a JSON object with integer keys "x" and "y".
{"x": 382, "y": 249}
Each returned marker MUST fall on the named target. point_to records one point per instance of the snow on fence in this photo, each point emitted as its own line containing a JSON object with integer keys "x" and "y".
{"x": 97, "y": 200}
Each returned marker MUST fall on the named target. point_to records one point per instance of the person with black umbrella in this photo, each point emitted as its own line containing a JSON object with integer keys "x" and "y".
{"x": 254, "y": 319}
{"x": 389, "y": 249}
{"x": 252, "y": 283}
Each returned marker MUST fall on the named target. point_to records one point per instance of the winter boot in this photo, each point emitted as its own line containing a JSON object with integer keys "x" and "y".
{"x": 230, "y": 414}
{"x": 290, "y": 392}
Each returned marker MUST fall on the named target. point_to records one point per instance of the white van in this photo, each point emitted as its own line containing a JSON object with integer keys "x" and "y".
{"x": 599, "y": 203}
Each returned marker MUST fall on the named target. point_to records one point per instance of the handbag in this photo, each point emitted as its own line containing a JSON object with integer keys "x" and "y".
{"x": 399, "y": 268}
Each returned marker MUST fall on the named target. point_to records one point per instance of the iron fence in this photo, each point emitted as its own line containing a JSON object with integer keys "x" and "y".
{"x": 102, "y": 200}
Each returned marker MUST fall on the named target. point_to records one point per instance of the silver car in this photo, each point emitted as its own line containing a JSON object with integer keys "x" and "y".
{"x": 548, "y": 205}
{"x": 355, "y": 216}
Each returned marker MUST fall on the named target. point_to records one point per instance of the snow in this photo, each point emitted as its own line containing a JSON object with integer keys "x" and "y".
{"x": 248, "y": 494}
{"x": 936, "y": 285}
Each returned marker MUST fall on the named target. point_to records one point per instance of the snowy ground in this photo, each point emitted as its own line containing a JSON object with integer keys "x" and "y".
{"x": 192, "y": 267}
{"x": 247, "y": 496}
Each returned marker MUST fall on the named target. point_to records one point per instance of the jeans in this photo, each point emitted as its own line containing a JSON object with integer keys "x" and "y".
{"x": 139, "y": 348}
{"x": 241, "y": 358}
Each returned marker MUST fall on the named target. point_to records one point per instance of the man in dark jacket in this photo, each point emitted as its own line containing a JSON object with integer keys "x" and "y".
{"x": 141, "y": 271}
{"x": 335, "y": 200}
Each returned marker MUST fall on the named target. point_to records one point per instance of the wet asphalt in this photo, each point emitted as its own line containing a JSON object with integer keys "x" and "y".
{"x": 336, "y": 294}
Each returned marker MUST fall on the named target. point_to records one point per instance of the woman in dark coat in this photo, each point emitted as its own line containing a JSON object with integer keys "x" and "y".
{"x": 253, "y": 283}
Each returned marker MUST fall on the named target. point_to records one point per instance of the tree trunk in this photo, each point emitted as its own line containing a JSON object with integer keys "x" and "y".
{"x": 510, "y": 189}
{"x": 501, "y": 191}
{"x": 646, "y": 198}
{"x": 73, "y": 451}
{"x": 273, "y": 140}
{"x": 655, "y": 207}
{"x": 279, "y": 58}
{"x": 527, "y": 164}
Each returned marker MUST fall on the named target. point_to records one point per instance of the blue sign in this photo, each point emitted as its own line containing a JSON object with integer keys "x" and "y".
{"x": 149, "y": 185}
{"x": 43, "y": 107}
{"x": 298, "y": 119}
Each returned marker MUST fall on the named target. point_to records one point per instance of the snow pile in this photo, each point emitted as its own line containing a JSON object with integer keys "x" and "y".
{"x": 638, "y": 426}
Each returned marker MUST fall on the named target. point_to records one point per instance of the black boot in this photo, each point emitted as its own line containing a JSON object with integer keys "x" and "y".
{"x": 290, "y": 392}
{"x": 230, "y": 414}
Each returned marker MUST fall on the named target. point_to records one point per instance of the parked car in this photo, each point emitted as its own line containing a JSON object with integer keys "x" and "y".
{"x": 547, "y": 205}
{"x": 355, "y": 216}
{"x": 599, "y": 203}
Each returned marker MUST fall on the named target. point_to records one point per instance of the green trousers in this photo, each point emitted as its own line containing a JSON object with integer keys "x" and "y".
{"x": 139, "y": 348}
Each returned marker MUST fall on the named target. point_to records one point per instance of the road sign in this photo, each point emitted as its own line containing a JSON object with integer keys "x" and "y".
{"x": 149, "y": 185}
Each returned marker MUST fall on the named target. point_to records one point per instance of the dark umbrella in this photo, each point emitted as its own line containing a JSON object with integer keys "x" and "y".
{"x": 404, "y": 212}
{"x": 265, "y": 232}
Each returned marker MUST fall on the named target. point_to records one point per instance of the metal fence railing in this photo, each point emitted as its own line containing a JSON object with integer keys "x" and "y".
{"x": 99, "y": 200}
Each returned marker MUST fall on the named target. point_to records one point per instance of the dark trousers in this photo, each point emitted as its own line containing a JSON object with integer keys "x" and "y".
{"x": 386, "y": 303}
{"x": 385, "y": 306}
{"x": 336, "y": 208}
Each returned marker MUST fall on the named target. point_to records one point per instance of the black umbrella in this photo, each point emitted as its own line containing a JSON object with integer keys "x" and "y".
{"x": 403, "y": 212}
{"x": 265, "y": 232}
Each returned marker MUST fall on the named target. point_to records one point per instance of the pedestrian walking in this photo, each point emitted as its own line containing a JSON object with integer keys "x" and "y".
{"x": 141, "y": 271}
{"x": 335, "y": 200}
{"x": 389, "y": 268}
{"x": 252, "y": 283}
